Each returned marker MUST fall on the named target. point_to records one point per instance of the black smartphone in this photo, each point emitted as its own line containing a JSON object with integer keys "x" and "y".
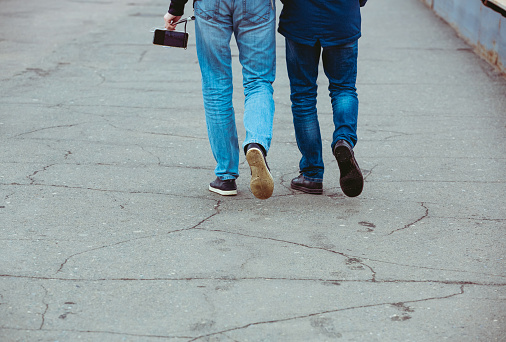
{"x": 171, "y": 38}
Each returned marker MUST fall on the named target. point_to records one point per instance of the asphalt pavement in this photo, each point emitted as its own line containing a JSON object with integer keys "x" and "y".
{"x": 108, "y": 231}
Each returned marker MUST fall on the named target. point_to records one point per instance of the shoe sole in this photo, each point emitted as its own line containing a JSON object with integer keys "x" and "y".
{"x": 351, "y": 180}
{"x": 306, "y": 190}
{"x": 262, "y": 183}
{"x": 223, "y": 192}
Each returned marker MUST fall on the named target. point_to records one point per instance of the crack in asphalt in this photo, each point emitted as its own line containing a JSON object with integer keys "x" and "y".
{"x": 30, "y": 177}
{"x": 142, "y": 55}
{"x": 326, "y": 312}
{"x": 229, "y": 278}
{"x": 99, "y": 332}
{"x": 9, "y": 195}
{"x": 349, "y": 258}
{"x": 45, "y": 128}
{"x": 498, "y": 220}
{"x": 155, "y": 133}
{"x": 67, "y": 154}
{"x": 425, "y": 215}
{"x": 354, "y": 260}
{"x": 216, "y": 208}
{"x": 402, "y": 306}
{"x": 104, "y": 190}
{"x": 253, "y": 236}
{"x": 151, "y": 154}
{"x": 43, "y": 315}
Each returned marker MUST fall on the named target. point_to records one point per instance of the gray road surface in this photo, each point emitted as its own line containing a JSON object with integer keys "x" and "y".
{"x": 108, "y": 231}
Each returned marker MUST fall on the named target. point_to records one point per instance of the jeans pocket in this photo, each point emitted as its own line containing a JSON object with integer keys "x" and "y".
{"x": 206, "y": 9}
{"x": 257, "y": 11}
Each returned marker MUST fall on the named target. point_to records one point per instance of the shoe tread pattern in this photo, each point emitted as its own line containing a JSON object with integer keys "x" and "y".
{"x": 262, "y": 183}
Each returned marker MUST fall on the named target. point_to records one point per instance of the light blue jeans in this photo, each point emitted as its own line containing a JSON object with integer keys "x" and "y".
{"x": 253, "y": 23}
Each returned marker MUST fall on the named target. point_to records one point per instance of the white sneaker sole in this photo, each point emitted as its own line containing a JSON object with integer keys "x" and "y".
{"x": 262, "y": 183}
{"x": 223, "y": 192}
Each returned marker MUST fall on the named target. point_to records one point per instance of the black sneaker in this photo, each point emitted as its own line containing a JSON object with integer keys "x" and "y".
{"x": 351, "y": 180}
{"x": 262, "y": 183}
{"x": 307, "y": 186}
{"x": 224, "y": 187}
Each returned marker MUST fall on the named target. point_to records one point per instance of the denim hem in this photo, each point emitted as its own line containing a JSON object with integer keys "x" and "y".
{"x": 349, "y": 141}
{"x": 224, "y": 178}
{"x": 246, "y": 143}
{"x": 316, "y": 180}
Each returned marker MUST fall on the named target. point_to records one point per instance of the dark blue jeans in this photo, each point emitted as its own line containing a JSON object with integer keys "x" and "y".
{"x": 340, "y": 66}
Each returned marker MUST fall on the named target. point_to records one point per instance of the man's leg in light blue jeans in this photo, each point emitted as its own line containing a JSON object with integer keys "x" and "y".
{"x": 254, "y": 29}
{"x": 213, "y": 30}
{"x": 255, "y": 33}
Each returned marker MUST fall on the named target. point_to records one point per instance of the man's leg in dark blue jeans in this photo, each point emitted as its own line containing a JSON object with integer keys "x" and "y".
{"x": 302, "y": 65}
{"x": 340, "y": 65}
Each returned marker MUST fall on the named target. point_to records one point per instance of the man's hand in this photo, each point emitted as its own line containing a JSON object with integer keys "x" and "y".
{"x": 170, "y": 21}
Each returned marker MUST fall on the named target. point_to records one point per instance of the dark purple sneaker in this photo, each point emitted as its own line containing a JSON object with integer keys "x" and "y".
{"x": 224, "y": 187}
